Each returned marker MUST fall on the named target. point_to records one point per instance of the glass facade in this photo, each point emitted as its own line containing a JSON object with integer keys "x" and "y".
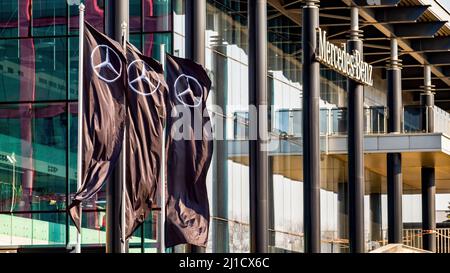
{"x": 38, "y": 117}
{"x": 38, "y": 128}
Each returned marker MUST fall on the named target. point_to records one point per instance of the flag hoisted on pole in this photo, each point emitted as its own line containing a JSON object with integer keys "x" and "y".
{"x": 162, "y": 247}
{"x": 146, "y": 113}
{"x": 101, "y": 113}
{"x": 189, "y": 154}
{"x": 80, "y": 115}
{"x": 124, "y": 156}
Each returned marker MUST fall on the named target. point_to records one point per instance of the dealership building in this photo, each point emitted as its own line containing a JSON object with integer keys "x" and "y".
{"x": 358, "y": 121}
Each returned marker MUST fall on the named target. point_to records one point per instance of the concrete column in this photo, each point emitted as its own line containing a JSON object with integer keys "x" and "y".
{"x": 355, "y": 142}
{"x": 376, "y": 231}
{"x": 116, "y": 12}
{"x": 343, "y": 210}
{"x": 427, "y": 101}
{"x": 394, "y": 160}
{"x": 195, "y": 50}
{"x": 258, "y": 155}
{"x": 429, "y": 208}
{"x": 310, "y": 121}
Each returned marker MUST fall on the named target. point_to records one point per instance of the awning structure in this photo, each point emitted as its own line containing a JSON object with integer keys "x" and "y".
{"x": 420, "y": 25}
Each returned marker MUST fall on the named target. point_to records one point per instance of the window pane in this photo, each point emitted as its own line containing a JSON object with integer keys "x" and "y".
{"x": 32, "y": 69}
{"x": 136, "y": 40}
{"x": 73, "y": 67}
{"x": 49, "y": 17}
{"x": 93, "y": 228}
{"x": 152, "y": 44}
{"x": 9, "y": 17}
{"x": 51, "y": 66}
{"x": 94, "y": 14}
{"x": 35, "y": 229}
{"x": 157, "y": 16}
{"x": 135, "y": 15}
{"x": 9, "y": 69}
{"x": 33, "y": 157}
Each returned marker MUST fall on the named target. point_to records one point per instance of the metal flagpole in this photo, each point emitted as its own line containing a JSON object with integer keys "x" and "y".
{"x": 80, "y": 115}
{"x": 162, "y": 247}
{"x": 124, "y": 153}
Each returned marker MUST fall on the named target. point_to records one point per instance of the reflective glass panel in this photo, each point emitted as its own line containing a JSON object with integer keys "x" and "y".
{"x": 157, "y": 15}
{"x": 152, "y": 44}
{"x": 49, "y": 17}
{"x": 33, "y": 151}
{"x": 9, "y": 18}
{"x": 94, "y": 14}
{"x": 33, "y": 229}
{"x": 33, "y": 69}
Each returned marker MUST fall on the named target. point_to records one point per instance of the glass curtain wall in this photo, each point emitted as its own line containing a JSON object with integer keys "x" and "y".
{"x": 228, "y": 180}
{"x": 38, "y": 117}
{"x": 38, "y": 127}
{"x": 38, "y": 123}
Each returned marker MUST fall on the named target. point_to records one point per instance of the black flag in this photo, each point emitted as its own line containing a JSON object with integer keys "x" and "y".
{"x": 188, "y": 157}
{"x": 103, "y": 113}
{"x": 146, "y": 114}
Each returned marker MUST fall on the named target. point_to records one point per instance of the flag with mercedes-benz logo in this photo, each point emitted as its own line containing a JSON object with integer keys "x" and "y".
{"x": 146, "y": 114}
{"x": 190, "y": 147}
{"x": 103, "y": 113}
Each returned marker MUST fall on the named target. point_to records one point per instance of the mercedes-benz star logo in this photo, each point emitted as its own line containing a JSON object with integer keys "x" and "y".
{"x": 185, "y": 90}
{"x": 141, "y": 74}
{"x": 104, "y": 64}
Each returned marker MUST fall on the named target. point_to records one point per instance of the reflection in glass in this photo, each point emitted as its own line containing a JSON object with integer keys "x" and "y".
{"x": 33, "y": 69}
{"x": 9, "y": 18}
{"x": 94, "y": 14}
{"x": 157, "y": 15}
{"x": 98, "y": 201}
{"x": 135, "y": 16}
{"x": 40, "y": 229}
{"x": 49, "y": 17}
{"x": 152, "y": 44}
{"x": 93, "y": 227}
{"x": 36, "y": 136}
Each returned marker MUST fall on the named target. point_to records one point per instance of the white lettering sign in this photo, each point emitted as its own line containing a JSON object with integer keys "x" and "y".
{"x": 338, "y": 59}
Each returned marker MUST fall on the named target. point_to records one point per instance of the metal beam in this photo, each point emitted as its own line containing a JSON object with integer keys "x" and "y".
{"x": 405, "y": 45}
{"x": 376, "y": 4}
{"x": 278, "y": 5}
{"x": 399, "y": 14}
{"x": 436, "y": 44}
{"x": 367, "y": 4}
{"x": 417, "y": 30}
{"x": 442, "y": 58}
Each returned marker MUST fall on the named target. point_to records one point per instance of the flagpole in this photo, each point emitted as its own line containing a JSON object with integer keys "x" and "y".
{"x": 80, "y": 115}
{"x": 124, "y": 152}
{"x": 162, "y": 247}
